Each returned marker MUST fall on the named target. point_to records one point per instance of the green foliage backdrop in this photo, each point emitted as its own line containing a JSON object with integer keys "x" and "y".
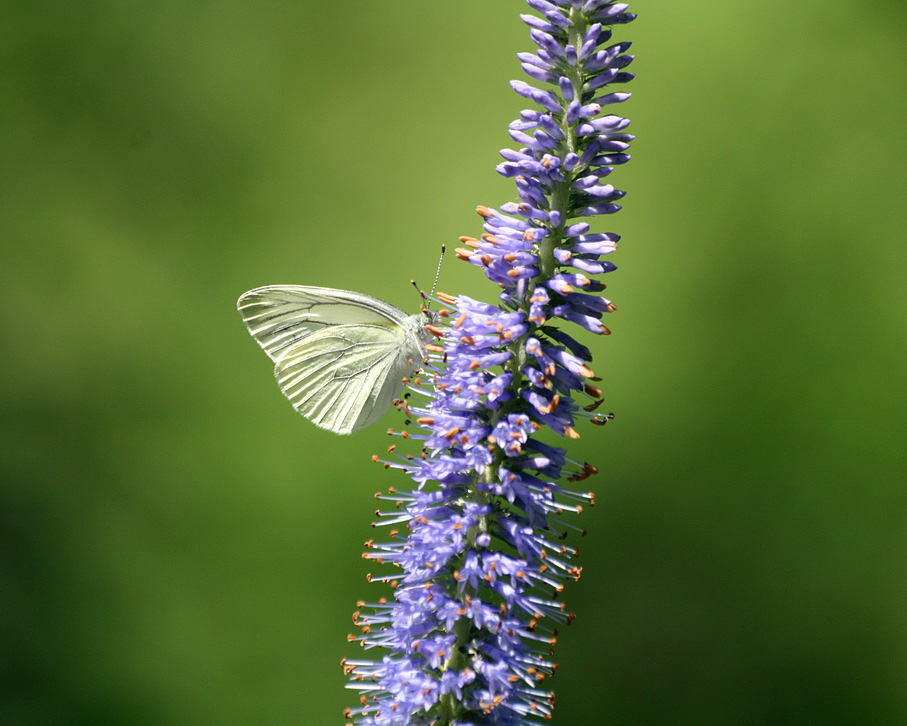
{"x": 177, "y": 547}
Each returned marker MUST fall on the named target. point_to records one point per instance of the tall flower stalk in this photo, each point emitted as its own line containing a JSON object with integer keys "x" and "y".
{"x": 479, "y": 543}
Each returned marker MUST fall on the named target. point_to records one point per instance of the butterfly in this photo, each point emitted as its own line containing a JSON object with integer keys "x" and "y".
{"x": 340, "y": 356}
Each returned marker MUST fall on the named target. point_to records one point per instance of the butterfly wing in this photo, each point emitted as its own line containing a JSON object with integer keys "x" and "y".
{"x": 279, "y": 316}
{"x": 345, "y": 377}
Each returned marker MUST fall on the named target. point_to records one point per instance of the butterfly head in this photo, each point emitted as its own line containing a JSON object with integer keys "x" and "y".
{"x": 431, "y": 317}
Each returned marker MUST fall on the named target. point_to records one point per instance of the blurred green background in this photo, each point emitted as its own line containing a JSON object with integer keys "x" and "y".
{"x": 178, "y": 547}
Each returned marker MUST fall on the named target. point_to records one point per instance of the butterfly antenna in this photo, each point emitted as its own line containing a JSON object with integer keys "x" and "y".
{"x": 421, "y": 293}
{"x": 438, "y": 272}
{"x": 426, "y": 304}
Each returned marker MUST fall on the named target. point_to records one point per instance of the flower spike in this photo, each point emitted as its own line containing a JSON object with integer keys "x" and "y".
{"x": 478, "y": 541}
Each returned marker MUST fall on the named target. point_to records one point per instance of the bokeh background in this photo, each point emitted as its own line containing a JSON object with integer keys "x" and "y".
{"x": 178, "y": 547}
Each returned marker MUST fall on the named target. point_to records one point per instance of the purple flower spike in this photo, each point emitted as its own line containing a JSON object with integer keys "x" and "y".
{"x": 478, "y": 540}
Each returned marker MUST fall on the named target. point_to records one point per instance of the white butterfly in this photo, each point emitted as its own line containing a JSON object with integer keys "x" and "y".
{"x": 340, "y": 356}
